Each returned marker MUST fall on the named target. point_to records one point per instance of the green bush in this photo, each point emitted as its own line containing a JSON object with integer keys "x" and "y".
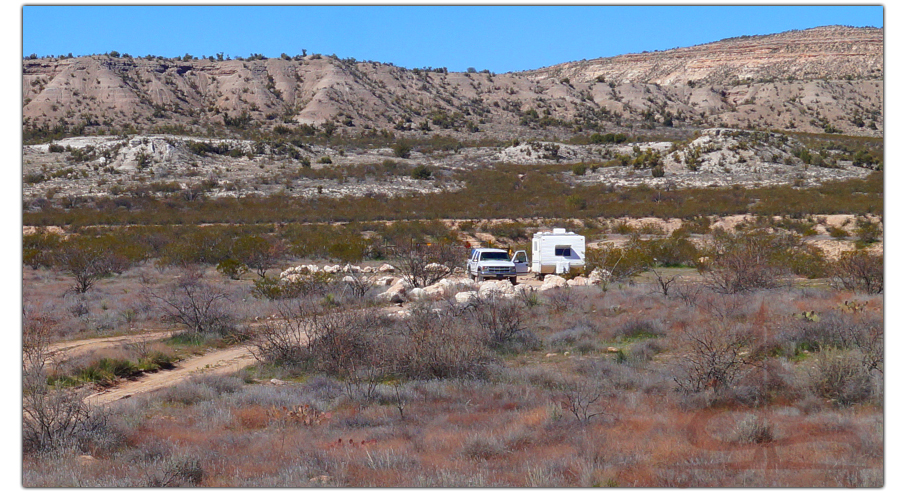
{"x": 232, "y": 268}
{"x": 622, "y": 263}
{"x": 421, "y": 172}
{"x": 402, "y": 150}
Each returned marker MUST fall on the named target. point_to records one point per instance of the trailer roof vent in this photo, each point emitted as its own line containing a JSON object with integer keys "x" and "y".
{"x": 559, "y": 230}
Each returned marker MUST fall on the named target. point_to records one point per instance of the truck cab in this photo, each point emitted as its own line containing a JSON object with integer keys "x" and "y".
{"x": 493, "y": 263}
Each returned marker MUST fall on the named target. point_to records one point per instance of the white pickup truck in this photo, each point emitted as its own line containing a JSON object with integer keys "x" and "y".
{"x": 494, "y": 263}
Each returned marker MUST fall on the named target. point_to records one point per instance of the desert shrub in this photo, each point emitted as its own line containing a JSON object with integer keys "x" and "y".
{"x": 839, "y": 233}
{"x": 639, "y": 329}
{"x": 259, "y": 253}
{"x": 840, "y": 376}
{"x": 484, "y": 447}
{"x": 839, "y": 330}
{"x": 584, "y": 399}
{"x": 88, "y": 260}
{"x": 232, "y": 268}
{"x": 674, "y": 251}
{"x": 194, "y": 303}
{"x": 582, "y": 337}
{"x": 747, "y": 261}
{"x": 179, "y": 471}
{"x": 643, "y": 352}
{"x": 807, "y": 261}
{"x": 753, "y": 430}
{"x": 505, "y": 323}
{"x": 868, "y": 231}
{"x": 402, "y": 149}
{"x": 433, "y": 345}
{"x": 283, "y": 342}
{"x": 421, "y": 172}
{"x": 622, "y": 263}
{"x": 425, "y": 263}
{"x": 713, "y": 357}
{"x": 39, "y": 247}
{"x": 53, "y": 417}
{"x": 859, "y": 271}
{"x": 560, "y": 299}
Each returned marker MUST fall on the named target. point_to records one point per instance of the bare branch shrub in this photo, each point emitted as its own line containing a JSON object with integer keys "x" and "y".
{"x": 664, "y": 283}
{"x": 859, "y": 271}
{"x": 559, "y": 299}
{"x": 424, "y": 264}
{"x": 53, "y": 417}
{"x": 194, "y": 303}
{"x": 584, "y": 399}
{"x": 713, "y": 358}
{"x": 358, "y": 284}
{"x": 87, "y": 262}
{"x": 348, "y": 344}
{"x": 505, "y": 322}
{"x": 175, "y": 472}
{"x": 284, "y": 341}
{"x": 747, "y": 261}
{"x": 440, "y": 345}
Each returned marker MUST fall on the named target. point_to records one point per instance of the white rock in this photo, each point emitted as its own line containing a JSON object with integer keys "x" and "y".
{"x": 499, "y": 287}
{"x": 384, "y": 281}
{"x": 434, "y": 266}
{"x": 599, "y": 276}
{"x": 552, "y": 281}
{"x": 523, "y": 288}
{"x": 466, "y": 282}
{"x": 577, "y": 281}
{"x": 435, "y": 291}
{"x": 386, "y": 268}
{"x": 465, "y": 297}
{"x": 396, "y": 293}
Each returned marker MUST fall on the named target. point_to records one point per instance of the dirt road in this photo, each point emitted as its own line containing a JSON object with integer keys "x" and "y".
{"x": 216, "y": 362}
{"x": 77, "y": 347}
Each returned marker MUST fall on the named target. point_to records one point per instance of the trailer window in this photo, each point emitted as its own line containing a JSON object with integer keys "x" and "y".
{"x": 564, "y": 251}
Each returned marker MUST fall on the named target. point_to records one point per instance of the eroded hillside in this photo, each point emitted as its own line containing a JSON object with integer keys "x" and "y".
{"x": 821, "y": 80}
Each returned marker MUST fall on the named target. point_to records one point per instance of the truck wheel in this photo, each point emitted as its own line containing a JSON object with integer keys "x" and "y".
{"x": 513, "y": 280}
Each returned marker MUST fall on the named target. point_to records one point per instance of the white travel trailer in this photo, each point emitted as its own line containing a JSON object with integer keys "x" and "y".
{"x": 556, "y": 252}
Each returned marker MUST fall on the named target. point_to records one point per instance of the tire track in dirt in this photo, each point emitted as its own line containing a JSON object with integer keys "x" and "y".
{"x": 214, "y": 363}
{"x": 77, "y": 347}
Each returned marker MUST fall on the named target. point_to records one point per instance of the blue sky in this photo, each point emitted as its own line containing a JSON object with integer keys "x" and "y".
{"x": 498, "y": 38}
